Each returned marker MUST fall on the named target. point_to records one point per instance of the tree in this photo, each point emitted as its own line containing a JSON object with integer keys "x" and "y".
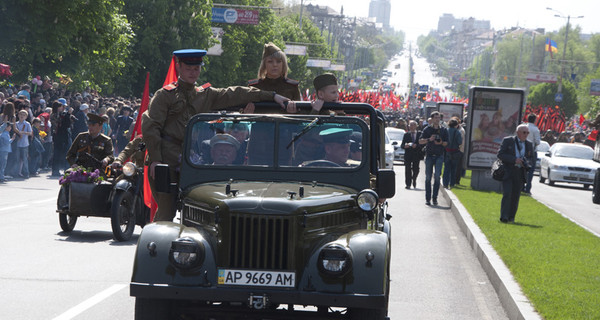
{"x": 543, "y": 95}
{"x": 86, "y": 39}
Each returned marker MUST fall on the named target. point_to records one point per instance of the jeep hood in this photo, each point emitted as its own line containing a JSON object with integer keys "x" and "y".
{"x": 271, "y": 197}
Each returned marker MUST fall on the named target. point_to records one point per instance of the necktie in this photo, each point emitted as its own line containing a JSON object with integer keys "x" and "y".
{"x": 414, "y": 136}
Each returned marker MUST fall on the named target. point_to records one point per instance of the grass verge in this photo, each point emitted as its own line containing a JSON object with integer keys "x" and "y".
{"x": 556, "y": 262}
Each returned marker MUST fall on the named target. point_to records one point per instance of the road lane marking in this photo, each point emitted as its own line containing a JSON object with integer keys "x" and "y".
{"x": 76, "y": 310}
{"x": 46, "y": 200}
{"x": 13, "y": 207}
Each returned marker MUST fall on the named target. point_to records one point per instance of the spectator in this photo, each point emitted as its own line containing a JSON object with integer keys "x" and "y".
{"x": 81, "y": 123}
{"x": 436, "y": 139}
{"x": 122, "y": 126}
{"x": 61, "y": 135}
{"x": 535, "y": 139}
{"x": 5, "y": 149}
{"x": 23, "y": 131}
{"x": 516, "y": 154}
{"x": 453, "y": 154}
{"x": 36, "y": 149}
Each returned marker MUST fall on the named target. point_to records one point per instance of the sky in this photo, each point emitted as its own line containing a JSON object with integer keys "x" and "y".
{"x": 418, "y": 17}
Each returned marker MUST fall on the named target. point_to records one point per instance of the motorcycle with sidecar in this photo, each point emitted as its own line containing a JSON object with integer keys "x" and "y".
{"x": 118, "y": 197}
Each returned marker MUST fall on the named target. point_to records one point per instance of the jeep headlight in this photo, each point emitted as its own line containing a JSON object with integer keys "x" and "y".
{"x": 186, "y": 253}
{"x": 335, "y": 260}
{"x": 129, "y": 169}
{"x": 367, "y": 200}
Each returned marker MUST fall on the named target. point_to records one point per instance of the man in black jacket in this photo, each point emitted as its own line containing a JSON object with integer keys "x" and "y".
{"x": 412, "y": 154}
{"x": 517, "y": 156}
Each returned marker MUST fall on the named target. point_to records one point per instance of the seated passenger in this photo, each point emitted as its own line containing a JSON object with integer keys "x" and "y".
{"x": 223, "y": 149}
{"x": 337, "y": 145}
{"x": 356, "y": 146}
{"x": 308, "y": 148}
{"x": 240, "y": 132}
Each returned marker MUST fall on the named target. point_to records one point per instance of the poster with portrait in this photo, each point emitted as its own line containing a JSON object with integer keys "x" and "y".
{"x": 449, "y": 110}
{"x": 494, "y": 113}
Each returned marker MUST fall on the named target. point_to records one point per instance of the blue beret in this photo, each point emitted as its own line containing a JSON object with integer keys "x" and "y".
{"x": 190, "y": 56}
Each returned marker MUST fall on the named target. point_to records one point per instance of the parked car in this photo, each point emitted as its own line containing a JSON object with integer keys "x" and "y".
{"x": 396, "y": 136}
{"x": 389, "y": 153}
{"x": 596, "y": 188}
{"x": 289, "y": 226}
{"x": 568, "y": 162}
{"x": 541, "y": 151}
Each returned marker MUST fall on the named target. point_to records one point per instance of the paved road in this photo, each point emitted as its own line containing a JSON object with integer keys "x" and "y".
{"x": 47, "y": 274}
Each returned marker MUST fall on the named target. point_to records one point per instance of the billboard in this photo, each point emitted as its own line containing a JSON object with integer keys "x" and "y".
{"x": 449, "y": 110}
{"x": 318, "y": 63}
{"x": 217, "y": 35}
{"x": 235, "y": 16}
{"x": 494, "y": 113}
{"x": 295, "y": 50}
{"x": 541, "y": 77}
{"x": 595, "y": 87}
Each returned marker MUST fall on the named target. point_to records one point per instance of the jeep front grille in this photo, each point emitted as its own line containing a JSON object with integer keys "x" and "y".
{"x": 260, "y": 242}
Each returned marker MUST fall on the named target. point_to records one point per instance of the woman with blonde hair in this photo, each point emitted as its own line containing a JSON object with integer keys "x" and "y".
{"x": 272, "y": 74}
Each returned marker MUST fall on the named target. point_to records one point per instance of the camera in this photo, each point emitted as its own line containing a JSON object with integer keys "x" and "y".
{"x": 437, "y": 137}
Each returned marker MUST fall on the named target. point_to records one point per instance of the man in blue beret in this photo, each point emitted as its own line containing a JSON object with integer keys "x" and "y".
{"x": 163, "y": 124}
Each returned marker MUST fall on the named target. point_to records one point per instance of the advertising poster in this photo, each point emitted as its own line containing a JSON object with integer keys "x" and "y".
{"x": 595, "y": 87}
{"x": 494, "y": 113}
{"x": 449, "y": 110}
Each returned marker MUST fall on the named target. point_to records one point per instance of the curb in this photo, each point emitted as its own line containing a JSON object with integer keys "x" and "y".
{"x": 514, "y": 302}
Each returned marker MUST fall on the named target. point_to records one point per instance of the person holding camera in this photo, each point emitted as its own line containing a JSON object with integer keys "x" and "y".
{"x": 517, "y": 156}
{"x": 435, "y": 137}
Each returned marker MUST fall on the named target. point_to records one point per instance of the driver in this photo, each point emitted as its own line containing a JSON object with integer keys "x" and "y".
{"x": 336, "y": 142}
{"x": 135, "y": 151}
{"x": 223, "y": 149}
{"x": 91, "y": 149}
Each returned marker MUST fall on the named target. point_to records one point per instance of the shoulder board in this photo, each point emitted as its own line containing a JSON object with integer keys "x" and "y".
{"x": 292, "y": 81}
{"x": 171, "y": 86}
{"x": 253, "y": 82}
{"x": 203, "y": 87}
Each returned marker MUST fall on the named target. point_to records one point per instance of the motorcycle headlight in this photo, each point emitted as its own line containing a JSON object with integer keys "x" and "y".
{"x": 367, "y": 200}
{"x": 186, "y": 253}
{"x": 129, "y": 169}
{"x": 335, "y": 260}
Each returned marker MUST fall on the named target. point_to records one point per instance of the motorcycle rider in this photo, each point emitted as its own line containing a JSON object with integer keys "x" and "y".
{"x": 91, "y": 149}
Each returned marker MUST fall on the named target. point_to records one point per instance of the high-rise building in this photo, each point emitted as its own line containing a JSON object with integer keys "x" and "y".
{"x": 380, "y": 10}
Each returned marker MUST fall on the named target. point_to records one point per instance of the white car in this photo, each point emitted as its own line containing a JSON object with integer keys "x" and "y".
{"x": 541, "y": 151}
{"x": 396, "y": 136}
{"x": 389, "y": 153}
{"x": 569, "y": 162}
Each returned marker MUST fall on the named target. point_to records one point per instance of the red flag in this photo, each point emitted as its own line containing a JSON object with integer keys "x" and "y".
{"x": 148, "y": 198}
{"x": 172, "y": 74}
{"x": 137, "y": 129}
{"x": 581, "y": 119}
{"x": 593, "y": 135}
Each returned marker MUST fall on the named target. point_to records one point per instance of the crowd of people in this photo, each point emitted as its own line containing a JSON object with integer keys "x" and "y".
{"x": 39, "y": 126}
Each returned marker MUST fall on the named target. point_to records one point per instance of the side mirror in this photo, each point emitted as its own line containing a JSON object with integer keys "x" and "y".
{"x": 162, "y": 181}
{"x": 395, "y": 143}
{"x": 386, "y": 183}
{"x": 547, "y": 154}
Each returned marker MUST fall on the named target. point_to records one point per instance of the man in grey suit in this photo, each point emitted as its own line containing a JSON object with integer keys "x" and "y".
{"x": 516, "y": 153}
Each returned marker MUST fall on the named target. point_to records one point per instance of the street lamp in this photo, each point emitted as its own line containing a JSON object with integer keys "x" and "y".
{"x": 568, "y": 17}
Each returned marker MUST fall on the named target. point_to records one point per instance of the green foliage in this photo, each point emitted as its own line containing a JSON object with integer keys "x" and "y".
{"x": 543, "y": 94}
{"x": 79, "y": 38}
{"x": 554, "y": 261}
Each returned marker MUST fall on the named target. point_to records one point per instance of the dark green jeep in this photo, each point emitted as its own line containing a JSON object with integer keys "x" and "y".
{"x": 282, "y": 216}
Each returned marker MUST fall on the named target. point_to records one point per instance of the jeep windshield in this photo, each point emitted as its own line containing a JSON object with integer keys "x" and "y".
{"x": 301, "y": 142}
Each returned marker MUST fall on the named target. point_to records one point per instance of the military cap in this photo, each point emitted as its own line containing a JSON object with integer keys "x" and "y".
{"x": 337, "y": 135}
{"x": 191, "y": 57}
{"x": 94, "y": 118}
{"x": 224, "y": 138}
{"x": 324, "y": 80}
{"x": 127, "y": 108}
{"x": 269, "y": 49}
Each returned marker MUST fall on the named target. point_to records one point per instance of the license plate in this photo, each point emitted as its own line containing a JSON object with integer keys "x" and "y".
{"x": 257, "y": 278}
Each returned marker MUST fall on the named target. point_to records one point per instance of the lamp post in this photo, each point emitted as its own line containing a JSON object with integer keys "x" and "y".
{"x": 568, "y": 17}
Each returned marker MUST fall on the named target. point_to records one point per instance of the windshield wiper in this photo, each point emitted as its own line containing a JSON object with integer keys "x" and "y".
{"x": 306, "y": 129}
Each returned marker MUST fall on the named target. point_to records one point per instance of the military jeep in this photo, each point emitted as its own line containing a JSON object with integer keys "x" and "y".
{"x": 283, "y": 233}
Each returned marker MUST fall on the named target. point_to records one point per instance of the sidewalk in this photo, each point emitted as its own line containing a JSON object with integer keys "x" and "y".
{"x": 515, "y": 303}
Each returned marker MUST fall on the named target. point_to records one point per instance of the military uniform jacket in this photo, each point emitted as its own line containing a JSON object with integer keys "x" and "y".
{"x": 99, "y": 147}
{"x": 283, "y": 86}
{"x": 134, "y": 152}
{"x": 163, "y": 124}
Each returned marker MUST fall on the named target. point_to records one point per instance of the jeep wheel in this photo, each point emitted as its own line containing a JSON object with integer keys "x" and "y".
{"x": 152, "y": 309}
{"x": 67, "y": 222}
{"x": 367, "y": 314}
{"x": 122, "y": 216}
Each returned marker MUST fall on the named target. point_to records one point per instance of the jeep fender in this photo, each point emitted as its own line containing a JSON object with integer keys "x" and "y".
{"x": 154, "y": 267}
{"x": 365, "y": 277}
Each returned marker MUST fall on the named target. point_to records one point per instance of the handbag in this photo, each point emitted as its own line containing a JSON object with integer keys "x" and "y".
{"x": 498, "y": 170}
